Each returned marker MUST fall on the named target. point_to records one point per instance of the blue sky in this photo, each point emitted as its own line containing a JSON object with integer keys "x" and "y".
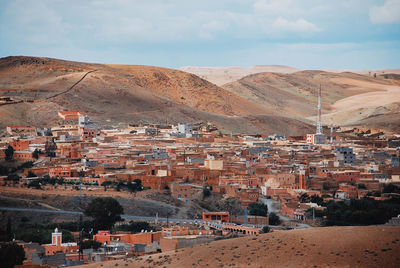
{"x": 308, "y": 34}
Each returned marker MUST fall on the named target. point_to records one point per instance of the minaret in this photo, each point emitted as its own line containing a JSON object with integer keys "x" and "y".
{"x": 56, "y": 237}
{"x": 319, "y": 125}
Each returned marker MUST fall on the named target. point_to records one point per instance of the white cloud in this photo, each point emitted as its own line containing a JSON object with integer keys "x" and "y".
{"x": 299, "y": 26}
{"x": 388, "y": 13}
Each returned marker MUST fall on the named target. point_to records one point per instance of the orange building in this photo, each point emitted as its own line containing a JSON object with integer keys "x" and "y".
{"x": 216, "y": 216}
{"x": 69, "y": 115}
{"x": 21, "y": 130}
{"x": 181, "y": 231}
{"x": 60, "y": 171}
{"x": 20, "y": 145}
{"x": 57, "y": 245}
{"x": 140, "y": 238}
{"x": 23, "y": 155}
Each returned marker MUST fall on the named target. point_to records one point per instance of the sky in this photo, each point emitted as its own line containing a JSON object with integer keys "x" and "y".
{"x": 307, "y": 34}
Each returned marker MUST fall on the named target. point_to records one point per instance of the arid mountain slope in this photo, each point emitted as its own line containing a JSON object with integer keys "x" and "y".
{"x": 358, "y": 246}
{"x": 223, "y": 75}
{"x": 343, "y": 94}
{"x": 125, "y": 93}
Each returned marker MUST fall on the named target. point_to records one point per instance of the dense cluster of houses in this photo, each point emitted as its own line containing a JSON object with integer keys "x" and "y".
{"x": 188, "y": 157}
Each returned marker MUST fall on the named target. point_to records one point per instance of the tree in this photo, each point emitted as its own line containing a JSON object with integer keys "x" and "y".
{"x": 274, "y": 219}
{"x": 138, "y": 184}
{"x": 258, "y": 209}
{"x": 105, "y": 212}
{"x": 135, "y": 227}
{"x": 3, "y": 170}
{"x": 11, "y": 254}
{"x": 206, "y": 192}
{"x": 13, "y": 177}
{"x": 135, "y": 186}
{"x": 361, "y": 186}
{"x": 50, "y": 146}
{"x": 266, "y": 229}
{"x": 9, "y": 153}
{"x": 36, "y": 153}
{"x": 35, "y": 184}
{"x": 304, "y": 198}
{"x": 391, "y": 188}
{"x": 90, "y": 244}
{"x": 31, "y": 174}
{"x": 231, "y": 204}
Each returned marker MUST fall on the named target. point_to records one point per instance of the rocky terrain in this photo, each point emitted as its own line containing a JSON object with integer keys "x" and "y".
{"x": 223, "y": 75}
{"x": 40, "y": 87}
{"x": 356, "y": 246}
{"x": 33, "y": 90}
{"x": 348, "y": 99}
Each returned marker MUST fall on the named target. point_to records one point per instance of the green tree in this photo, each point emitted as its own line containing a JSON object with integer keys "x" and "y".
{"x": 31, "y": 174}
{"x": 206, "y": 192}
{"x": 361, "y": 186}
{"x": 50, "y": 146}
{"x": 258, "y": 209}
{"x": 391, "y": 188}
{"x": 3, "y": 170}
{"x": 274, "y": 219}
{"x": 35, "y": 154}
{"x": 265, "y": 229}
{"x": 9, "y": 153}
{"x": 11, "y": 254}
{"x": 90, "y": 244}
{"x": 105, "y": 211}
{"x": 13, "y": 177}
{"x": 135, "y": 227}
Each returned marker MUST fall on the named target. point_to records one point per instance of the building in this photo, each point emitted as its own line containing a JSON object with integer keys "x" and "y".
{"x": 69, "y": 115}
{"x": 147, "y": 238}
{"x": 58, "y": 246}
{"x": 20, "y": 144}
{"x": 60, "y": 171}
{"x": 184, "y": 191}
{"x": 345, "y": 155}
{"x": 213, "y": 164}
{"x": 216, "y": 216}
{"x": 21, "y": 130}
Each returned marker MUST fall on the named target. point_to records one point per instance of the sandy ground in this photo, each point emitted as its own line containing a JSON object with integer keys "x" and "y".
{"x": 384, "y": 95}
{"x": 368, "y": 246}
{"x": 355, "y": 108}
{"x": 223, "y": 75}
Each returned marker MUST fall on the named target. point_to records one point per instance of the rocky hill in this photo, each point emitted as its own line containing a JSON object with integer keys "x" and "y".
{"x": 349, "y": 99}
{"x": 40, "y": 87}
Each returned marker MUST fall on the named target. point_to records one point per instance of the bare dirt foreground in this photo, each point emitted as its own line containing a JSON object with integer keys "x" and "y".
{"x": 361, "y": 246}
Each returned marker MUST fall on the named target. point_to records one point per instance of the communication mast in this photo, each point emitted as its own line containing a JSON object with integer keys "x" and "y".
{"x": 319, "y": 125}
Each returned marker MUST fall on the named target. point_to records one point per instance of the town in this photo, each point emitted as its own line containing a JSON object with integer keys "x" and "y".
{"x": 229, "y": 185}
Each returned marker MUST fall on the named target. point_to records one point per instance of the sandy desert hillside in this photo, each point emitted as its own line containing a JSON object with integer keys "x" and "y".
{"x": 39, "y": 87}
{"x": 348, "y": 98}
{"x": 223, "y": 75}
{"x": 358, "y": 246}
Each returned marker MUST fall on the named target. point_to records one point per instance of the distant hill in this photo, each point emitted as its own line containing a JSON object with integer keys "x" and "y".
{"x": 344, "y": 246}
{"x": 223, "y": 75}
{"x": 348, "y": 98}
{"x": 115, "y": 94}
